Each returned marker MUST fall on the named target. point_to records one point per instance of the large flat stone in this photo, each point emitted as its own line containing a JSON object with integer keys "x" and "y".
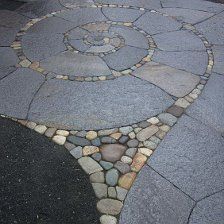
{"x": 8, "y": 60}
{"x": 69, "y": 3}
{"x": 38, "y": 46}
{"x": 175, "y": 82}
{"x": 191, "y": 157}
{"x": 209, "y": 210}
{"x": 83, "y": 15}
{"x": 17, "y": 91}
{"x": 148, "y": 4}
{"x": 193, "y": 4}
{"x": 152, "y": 199}
{"x": 209, "y": 107}
{"x": 73, "y": 64}
{"x": 7, "y": 36}
{"x": 97, "y": 105}
{"x": 132, "y": 37}
{"x": 122, "y": 14}
{"x": 179, "y": 41}
{"x": 194, "y": 62}
{"x": 125, "y": 58}
{"x": 187, "y": 15}
{"x": 218, "y": 52}
{"x": 213, "y": 29}
{"x": 155, "y": 23}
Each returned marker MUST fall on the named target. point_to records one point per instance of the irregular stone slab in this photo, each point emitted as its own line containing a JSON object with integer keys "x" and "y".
{"x": 11, "y": 19}
{"x": 208, "y": 108}
{"x": 175, "y": 82}
{"x": 74, "y": 64}
{"x": 213, "y": 26}
{"x": 194, "y": 62}
{"x": 218, "y": 52}
{"x": 155, "y": 23}
{"x": 187, "y": 15}
{"x": 121, "y": 14}
{"x": 132, "y": 37}
{"x": 89, "y": 165}
{"x": 79, "y": 45}
{"x": 7, "y": 36}
{"x": 34, "y": 9}
{"x": 179, "y": 41}
{"x": 38, "y": 46}
{"x": 209, "y": 210}
{"x": 82, "y": 16}
{"x": 193, "y": 4}
{"x": 109, "y": 206}
{"x": 112, "y": 152}
{"x": 148, "y": 4}
{"x": 8, "y": 60}
{"x": 152, "y": 199}
{"x": 125, "y": 58}
{"x": 191, "y": 157}
{"x": 77, "y": 33}
{"x": 50, "y": 26}
{"x": 97, "y": 105}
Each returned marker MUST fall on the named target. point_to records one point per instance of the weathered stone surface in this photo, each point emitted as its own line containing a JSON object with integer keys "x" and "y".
{"x": 146, "y": 133}
{"x": 89, "y": 150}
{"x": 131, "y": 152}
{"x": 121, "y": 193}
{"x": 108, "y": 140}
{"x": 40, "y": 129}
{"x": 211, "y": 26}
{"x": 121, "y": 14}
{"x": 145, "y": 151}
{"x": 107, "y": 131}
{"x": 187, "y": 15}
{"x": 125, "y": 130}
{"x": 175, "y": 111}
{"x": 152, "y": 199}
{"x": 97, "y": 177}
{"x": 112, "y": 152}
{"x": 91, "y": 135}
{"x": 208, "y": 107}
{"x": 66, "y": 63}
{"x": 100, "y": 190}
{"x": 108, "y": 219}
{"x": 123, "y": 139}
{"x": 106, "y": 165}
{"x": 218, "y": 52}
{"x": 71, "y": 3}
{"x": 122, "y": 167}
{"x": 180, "y": 40}
{"x": 192, "y": 4}
{"x": 194, "y": 62}
{"x": 58, "y": 101}
{"x": 7, "y": 36}
{"x": 109, "y": 206}
{"x": 8, "y": 60}
{"x": 125, "y": 58}
{"x": 138, "y": 162}
{"x": 89, "y": 165}
{"x": 155, "y": 23}
{"x": 126, "y": 180}
{"x": 76, "y": 152}
{"x": 209, "y": 210}
{"x": 191, "y": 158}
{"x": 60, "y": 140}
{"x": 50, "y": 132}
{"x": 17, "y": 91}
{"x": 167, "y": 118}
{"x": 112, "y": 177}
{"x": 78, "y": 140}
{"x": 132, "y": 37}
{"x": 132, "y": 143}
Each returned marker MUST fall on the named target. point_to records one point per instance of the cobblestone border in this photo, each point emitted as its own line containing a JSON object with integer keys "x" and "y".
{"x": 111, "y": 180}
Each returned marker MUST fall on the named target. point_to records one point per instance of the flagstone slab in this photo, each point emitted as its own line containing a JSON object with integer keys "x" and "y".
{"x": 131, "y": 36}
{"x": 152, "y": 199}
{"x": 209, "y": 210}
{"x": 8, "y": 60}
{"x": 179, "y": 41}
{"x": 125, "y": 58}
{"x": 208, "y": 108}
{"x": 213, "y": 29}
{"x": 82, "y": 16}
{"x": 97, "y": 105}
{"x": 193, "y": 4}
{"x": 154, "y": 23}
{"x": 7, "y": 36}
{"x": 74, "y": 64}
{"x": 187, "y": 15}
{"x": 17, "y": 91}
{"x": 175, "y": 82}
{"x": 122, "y": 14}
{"x": 190, "y": 61}
{"x": 37, "y": 47}
{"x": 218, "y": 52}
{"x": 191, "y": 158}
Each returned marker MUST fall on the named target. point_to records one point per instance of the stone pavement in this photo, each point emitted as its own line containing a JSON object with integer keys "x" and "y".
{"x": 108, "y": 79}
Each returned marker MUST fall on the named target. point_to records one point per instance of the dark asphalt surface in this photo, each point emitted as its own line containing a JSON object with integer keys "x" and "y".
{"x": 40, "y": 182}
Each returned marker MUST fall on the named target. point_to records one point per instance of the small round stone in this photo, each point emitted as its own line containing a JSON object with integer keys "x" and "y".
{"x": 126, "y": 159}
{"x": 76, "y": 152}
{"x": 91, "y": 135}
{"x": 62, "y": 132}
{"x": 31, "y": 124}
{"x": 153, "y": 120}
{"x": 108, "y": 219}
{"x": 59, "y": 139}
{"x": 131, "y": 152}
{"x": 145, "y": 151}
{"x": 40, "y": 129}
{"x": 125, "y": 130}
{"x": 100, "y": 190}
{"x": 109, "y": 206}
{"x": 132, "y": 143}
{"x": 121, "y": 193}
{"x": 181, "y": 102}
{"x": 112, "y": 192}
{"x": 89, "y": 150}
{"x": 50, "y": 132}
{"x": 131, "y": 135}
{"x": 106, "y": 165}
{"x": 97, "y": 177}
{"x": 112, "y": 177}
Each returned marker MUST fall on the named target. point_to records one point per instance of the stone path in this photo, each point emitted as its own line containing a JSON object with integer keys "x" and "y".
{"x": 108, "y": 80}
